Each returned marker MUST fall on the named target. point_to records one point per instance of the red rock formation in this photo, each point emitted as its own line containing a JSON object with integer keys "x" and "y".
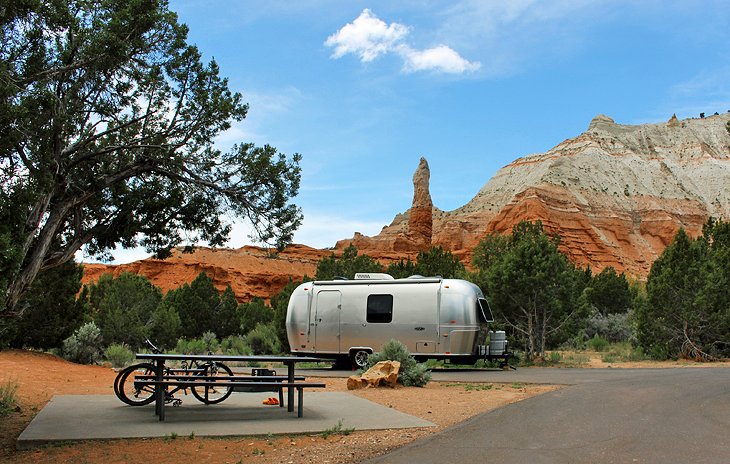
{"x": 616, "y": 195}
{"x": 250, "y": 271}
{"x": 410, "y": 232}
{"x": 420, "y": 219}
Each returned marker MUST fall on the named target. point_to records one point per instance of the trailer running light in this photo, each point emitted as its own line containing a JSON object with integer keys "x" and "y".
{"x": 453, "y": 322}
{"x": 301, "y": 333}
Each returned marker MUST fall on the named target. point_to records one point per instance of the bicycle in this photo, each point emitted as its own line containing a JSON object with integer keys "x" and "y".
{"x": 133, "y": 393}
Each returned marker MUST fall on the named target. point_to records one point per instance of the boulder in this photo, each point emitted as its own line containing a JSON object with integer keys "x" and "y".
{"x": 384, "y": 373}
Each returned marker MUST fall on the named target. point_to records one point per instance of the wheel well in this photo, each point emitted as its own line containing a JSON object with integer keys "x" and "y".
{"x": 360, "y": 348}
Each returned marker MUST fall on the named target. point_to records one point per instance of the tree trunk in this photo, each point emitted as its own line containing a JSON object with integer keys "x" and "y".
{"x": 32, "y": 265}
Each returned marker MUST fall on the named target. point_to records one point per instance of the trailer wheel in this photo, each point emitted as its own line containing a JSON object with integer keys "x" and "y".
{"x": 359, "y": 358}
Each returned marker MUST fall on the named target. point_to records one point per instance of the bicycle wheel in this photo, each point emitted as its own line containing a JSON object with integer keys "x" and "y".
{"x": 214, "y": 394}
{"x": 132, "y": 392}
{"x": 121, "y": 374}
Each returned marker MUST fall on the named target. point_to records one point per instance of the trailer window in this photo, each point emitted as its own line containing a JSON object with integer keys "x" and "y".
{"x": 380, "y": 308}
{"x": 484, "y": 312}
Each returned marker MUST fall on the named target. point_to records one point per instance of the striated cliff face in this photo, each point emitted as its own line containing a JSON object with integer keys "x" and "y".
{"x": 616, "y": 194}
{"x": 250, "y": 271}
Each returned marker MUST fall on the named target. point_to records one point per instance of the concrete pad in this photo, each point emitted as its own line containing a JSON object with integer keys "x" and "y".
{"x": 103, "y": 417}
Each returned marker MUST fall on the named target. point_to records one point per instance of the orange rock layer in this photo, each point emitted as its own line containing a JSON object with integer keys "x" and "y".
{"x": 615, "y": 194}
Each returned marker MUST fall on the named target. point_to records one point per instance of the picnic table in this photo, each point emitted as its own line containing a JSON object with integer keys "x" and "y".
{"x": 291, "y": 382}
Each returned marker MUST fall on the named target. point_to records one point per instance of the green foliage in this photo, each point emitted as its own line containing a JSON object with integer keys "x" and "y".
{"x": 280, "y": 303}
{"x": 263, "y": 340}
{"x": 532, "y": 285}
{"x": 194, "y": 346}
{"x": 108, "y": 120}
{"x": 84, "y": 345}
{"x": 337, "y": 429}
{"x": 164, "y": 324}
{"x": 227, "y": 314}
{"x": 211, "y": 342}
{"x": 346, "y": 266}
{"x": 402, "y": 269}
{"x": 686, "y": 310}
{"x": 434, "y": 262}
{"x": 555, "y": 357}
{"x": 625, "y": 352}
{"x": 197, "y": 304}
{"x": 598, "y": 343}
{"x": 119, "y": 355}
{"x": 202, "y": 309}
{"x": 235, "y": 345}
{"x": 614, "y": 327}
{"x": 438, "y": 262}
{"x": 610, "y": 293}
{"x": 411, "y": 374}
{"x": 8, "y": 400}
{"x": 254, "y": 313}
{"x": 51, "y": 312}
{"x": 122, "y": 307}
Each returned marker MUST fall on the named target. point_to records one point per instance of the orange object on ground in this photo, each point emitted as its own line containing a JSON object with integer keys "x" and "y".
{"x": 271, "y": 401}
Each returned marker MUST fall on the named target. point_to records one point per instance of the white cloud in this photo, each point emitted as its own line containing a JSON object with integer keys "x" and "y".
{"x": 440, "y": 58}
{"x": 369, "y": 37}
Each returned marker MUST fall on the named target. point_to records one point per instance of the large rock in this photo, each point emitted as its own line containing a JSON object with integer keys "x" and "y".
{"x": 384, "y": 373}
{"x": 616, "y": 194}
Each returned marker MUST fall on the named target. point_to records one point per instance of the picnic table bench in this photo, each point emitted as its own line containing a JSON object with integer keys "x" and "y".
{"x": 161, "y": 380}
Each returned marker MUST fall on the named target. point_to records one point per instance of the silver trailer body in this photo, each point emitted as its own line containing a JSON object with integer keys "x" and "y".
{"x": 433, "y": 317}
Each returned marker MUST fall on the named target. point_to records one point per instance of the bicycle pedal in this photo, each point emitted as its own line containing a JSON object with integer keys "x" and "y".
{"x": 176, "y": 403}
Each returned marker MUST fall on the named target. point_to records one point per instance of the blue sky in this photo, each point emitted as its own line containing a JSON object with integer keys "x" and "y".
{"x": 364, "y": 89}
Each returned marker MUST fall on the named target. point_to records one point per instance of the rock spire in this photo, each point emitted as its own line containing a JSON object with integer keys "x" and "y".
{"x": 420, "y": 220}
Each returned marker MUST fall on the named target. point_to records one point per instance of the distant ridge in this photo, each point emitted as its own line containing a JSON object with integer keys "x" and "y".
{"x": 616, "y": 194}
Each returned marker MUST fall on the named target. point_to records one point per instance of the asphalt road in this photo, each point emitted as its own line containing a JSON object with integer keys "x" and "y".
{"x": 601, "y": 416}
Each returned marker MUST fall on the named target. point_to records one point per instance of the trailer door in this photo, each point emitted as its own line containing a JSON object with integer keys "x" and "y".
{"x": 327, "y": 321}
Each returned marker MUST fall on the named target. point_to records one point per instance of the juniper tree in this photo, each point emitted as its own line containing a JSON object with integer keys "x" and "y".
{"x": 107, "y": 123}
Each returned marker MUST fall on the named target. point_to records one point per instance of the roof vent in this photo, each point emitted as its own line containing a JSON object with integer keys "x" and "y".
{"x": 373, "y": 276}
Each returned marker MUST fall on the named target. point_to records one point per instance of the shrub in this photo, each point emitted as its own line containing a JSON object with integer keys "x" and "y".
{"x": 119, "y": 355}
{"x": 84, "y": 345}
{"x": 235, "y": 345}
{"x": 194, "y": 346}
{"x": 211, "y": 341}
{"x": 555, "y": 357}
{"x": 8, "y": 401}
{"x": 263, "y": 340}
{"x": 598, "y": 343}
{"x": 411, "y": 373}
{"x": 615, "y": 327}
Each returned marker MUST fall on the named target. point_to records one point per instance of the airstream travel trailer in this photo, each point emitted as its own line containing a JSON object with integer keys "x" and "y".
{"x": 347, "y": 320}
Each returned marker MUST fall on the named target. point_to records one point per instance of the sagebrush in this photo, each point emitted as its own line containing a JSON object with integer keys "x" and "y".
{"x": 411, "y": 373}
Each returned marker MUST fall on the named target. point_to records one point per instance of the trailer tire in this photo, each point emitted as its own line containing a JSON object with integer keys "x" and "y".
{"x": 359, "y": 358}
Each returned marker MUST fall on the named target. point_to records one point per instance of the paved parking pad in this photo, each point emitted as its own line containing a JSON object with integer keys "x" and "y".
{"x": 102, "y": 417}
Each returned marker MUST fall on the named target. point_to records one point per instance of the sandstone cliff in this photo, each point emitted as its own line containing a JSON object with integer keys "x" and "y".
{"x": 616, "y": 194}
{"x": 250, "y": 271}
